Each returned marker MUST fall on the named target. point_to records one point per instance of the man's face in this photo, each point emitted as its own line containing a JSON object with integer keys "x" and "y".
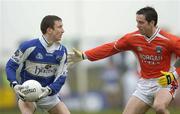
{"x": 144, "y": 27}
{"x": 57, "y": 32}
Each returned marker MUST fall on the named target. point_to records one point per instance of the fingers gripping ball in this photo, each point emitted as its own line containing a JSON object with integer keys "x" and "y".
{"x": 32, "y": 90}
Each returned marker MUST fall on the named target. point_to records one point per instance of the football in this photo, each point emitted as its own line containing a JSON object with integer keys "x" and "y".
{"x": 32, "y": 90}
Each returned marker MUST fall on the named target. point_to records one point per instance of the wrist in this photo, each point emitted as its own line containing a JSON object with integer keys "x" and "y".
{"x": 84, "y": 56}
{"x": 49, "y": 90}
{"x": 175, "y": 74}
{"x": 13, "y": 84}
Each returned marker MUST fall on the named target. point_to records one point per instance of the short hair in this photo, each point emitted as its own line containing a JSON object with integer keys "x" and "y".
{"x": 48, "y": 21}
{"x": 149, "y": 13}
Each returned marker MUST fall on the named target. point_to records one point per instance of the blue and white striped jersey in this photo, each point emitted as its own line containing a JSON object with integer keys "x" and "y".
{"x": 46, "y": 64}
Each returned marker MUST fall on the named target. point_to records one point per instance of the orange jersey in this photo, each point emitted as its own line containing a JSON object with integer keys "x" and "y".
{"x": 178, "y": 70}
{"x": 154, "y": 53}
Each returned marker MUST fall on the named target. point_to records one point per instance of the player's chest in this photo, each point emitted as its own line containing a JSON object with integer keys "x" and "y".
{"x": 150, "y": 48}
{"x": 41, "y": 55}
{"x": 150, "y": 53}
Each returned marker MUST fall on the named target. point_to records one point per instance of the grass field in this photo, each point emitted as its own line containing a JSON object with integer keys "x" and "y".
{"x": 172, "y": 110}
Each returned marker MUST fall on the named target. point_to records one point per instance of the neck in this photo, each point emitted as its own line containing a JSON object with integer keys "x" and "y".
{"x": 151, "y": 32}
{"x": 48, "y": 40}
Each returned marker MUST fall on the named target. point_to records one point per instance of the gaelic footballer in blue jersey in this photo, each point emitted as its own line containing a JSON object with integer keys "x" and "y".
{"x": 43, "y": 59}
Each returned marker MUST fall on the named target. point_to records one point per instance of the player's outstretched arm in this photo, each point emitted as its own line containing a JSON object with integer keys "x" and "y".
{"x": 75, "y": 57}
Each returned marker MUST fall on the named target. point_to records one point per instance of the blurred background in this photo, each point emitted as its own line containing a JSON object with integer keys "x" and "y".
{"x": 92, "y": 87}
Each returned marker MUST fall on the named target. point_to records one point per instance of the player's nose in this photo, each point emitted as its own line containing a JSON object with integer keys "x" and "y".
{"x": 138, "y": 26}
{"x": 62, "y": 30}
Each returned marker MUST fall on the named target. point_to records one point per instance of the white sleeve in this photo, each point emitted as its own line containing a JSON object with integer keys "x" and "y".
{"x": 62, "y": 69}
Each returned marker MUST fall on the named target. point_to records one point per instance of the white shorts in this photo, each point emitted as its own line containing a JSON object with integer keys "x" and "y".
{"x": 48, "y": 102}
{"x": 147, "y": 88}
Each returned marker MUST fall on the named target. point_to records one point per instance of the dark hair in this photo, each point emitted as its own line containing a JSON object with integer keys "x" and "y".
{"x": 149, "y": 13}
{"x": 48, "y": 21}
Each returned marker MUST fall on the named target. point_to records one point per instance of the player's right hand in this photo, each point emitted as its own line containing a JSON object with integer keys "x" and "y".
{"x": 45, "y": 92}
{"x": 17, "y": 89}
{"x": 166, "y": 78}
{"x": 75, "y": 57}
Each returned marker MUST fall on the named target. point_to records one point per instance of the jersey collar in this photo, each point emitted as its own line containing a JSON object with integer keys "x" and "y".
{"x": 49, "y": 48}
{"x": 153, "y": 36}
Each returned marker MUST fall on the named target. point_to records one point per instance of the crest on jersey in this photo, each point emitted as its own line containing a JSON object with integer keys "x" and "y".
{"x": 58, "y": 54}
{"x": 39, "y": 56}
{"x": 139, "y": 48}
{"x": 59, "y": 58}
{"x": 17, "y": 56}
{"x": 158, "y": 49}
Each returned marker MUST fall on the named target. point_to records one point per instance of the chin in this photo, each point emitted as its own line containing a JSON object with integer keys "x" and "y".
{"x": 142, "y": 33}
{"x": 58, "y": 39}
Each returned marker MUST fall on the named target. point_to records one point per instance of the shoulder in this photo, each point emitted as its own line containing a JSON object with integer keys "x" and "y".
{"x": 28, "y": 44}
{"x": 169, "y": 38}
{"x": 133, "y": 34}
{"x": 130, "y": 36}
{"x": 168, "y": 35}
{"x": 63, "y": 48}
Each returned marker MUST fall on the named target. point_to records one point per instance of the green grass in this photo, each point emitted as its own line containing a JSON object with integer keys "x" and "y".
{"x": 15, "y": 111}
{"x": 172, "y": 111}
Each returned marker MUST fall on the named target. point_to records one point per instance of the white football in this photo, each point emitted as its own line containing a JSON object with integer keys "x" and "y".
{"x": 32, "y": 90}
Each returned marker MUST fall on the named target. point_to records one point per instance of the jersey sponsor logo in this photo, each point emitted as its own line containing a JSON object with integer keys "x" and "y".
{"x": 158, "y": 49}
{"x": 41, "y": 69}
{"x": 17, "y": 56}
{"x": 151, "y": 59}
{"x": 39, "y": 56}
{"x": 58, "y": 58}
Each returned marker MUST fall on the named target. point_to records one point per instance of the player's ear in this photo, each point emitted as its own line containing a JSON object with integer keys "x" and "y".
{"x": 49, "y": 30}
{"x": 152, "y": 23}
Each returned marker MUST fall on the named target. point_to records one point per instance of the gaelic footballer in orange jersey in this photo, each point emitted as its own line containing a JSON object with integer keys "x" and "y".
{"x": 153, "y": 48}
{"x": 154, "y": 53}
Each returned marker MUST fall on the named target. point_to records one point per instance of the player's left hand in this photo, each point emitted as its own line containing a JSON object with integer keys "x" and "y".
{"x": 166, "y": 78}
{"x": 45, "y": 92}
{"x": 74, "y": 57}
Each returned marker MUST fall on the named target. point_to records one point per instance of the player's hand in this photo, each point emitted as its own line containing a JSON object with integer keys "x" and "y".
{"x": 45, "y": 92}
{"x": 166, "y": 78}
{"x": 74, "y": 57}
{"x": 18, "y": 88}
